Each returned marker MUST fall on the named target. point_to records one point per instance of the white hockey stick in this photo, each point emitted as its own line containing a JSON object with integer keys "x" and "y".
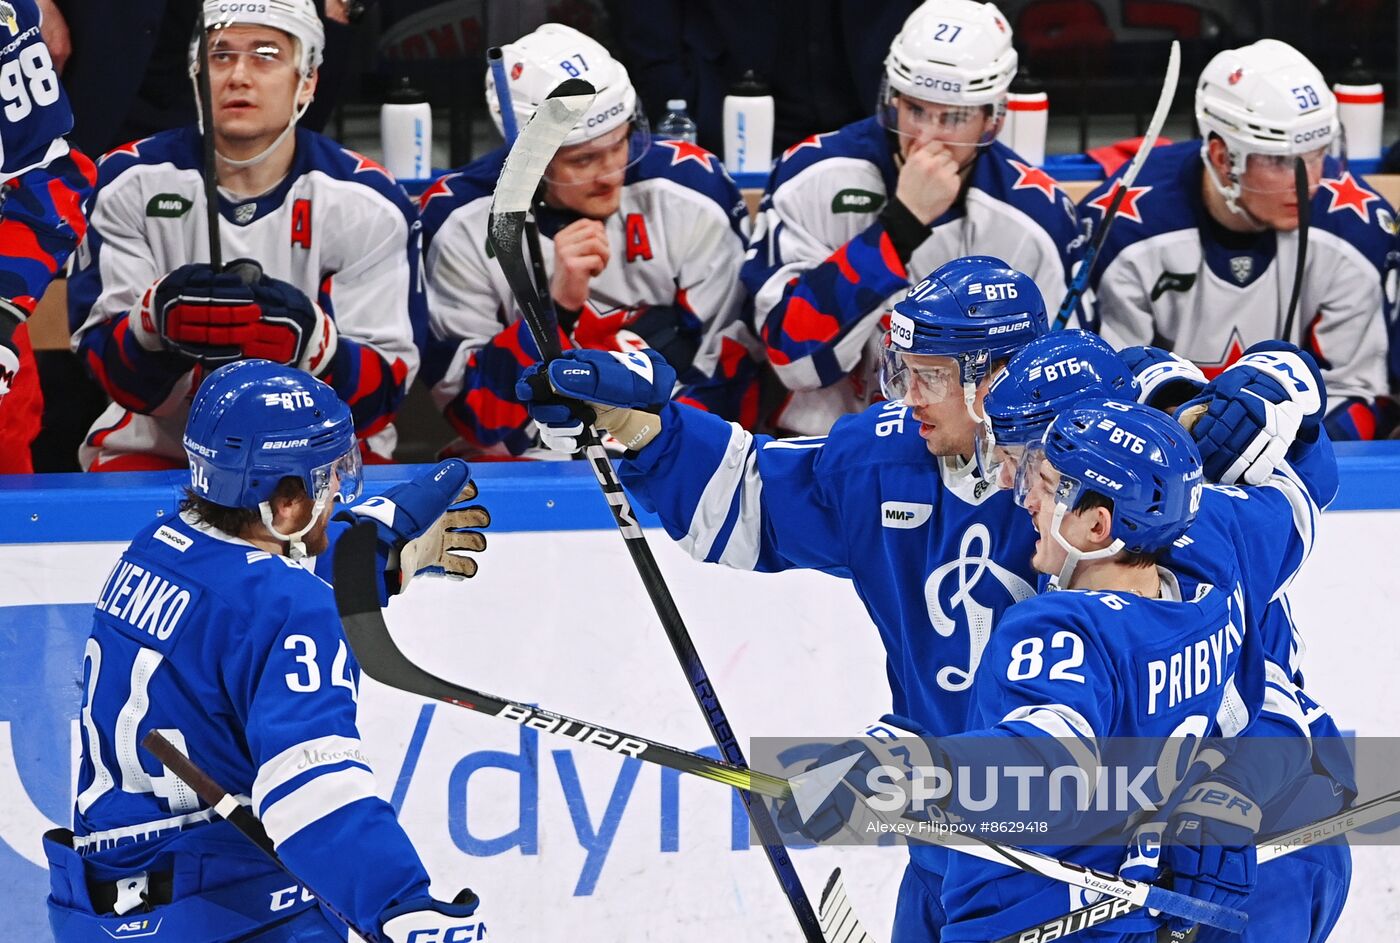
{"x": 1080, "y": 281}
{"x": 1326, "y": 829}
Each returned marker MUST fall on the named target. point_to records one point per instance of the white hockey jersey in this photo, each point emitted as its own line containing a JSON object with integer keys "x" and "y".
{"x": 337, "y": 226}
{"x": 677, "y": 242}
{"x": 824, "y": 274}
{"x": 1169, "y": 275}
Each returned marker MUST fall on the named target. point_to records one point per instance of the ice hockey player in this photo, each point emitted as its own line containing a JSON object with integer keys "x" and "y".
{"x": 1202, "y": 255}
{"x": 1299, "y": 896}
{"x": 890, "y": 499}
{"x": 642, "y": 241}
{"x": 853, "y": 217}
{"x": 212, "y": 630}
{"x": 333, "y": 285}
{"x": 42, "y": 185}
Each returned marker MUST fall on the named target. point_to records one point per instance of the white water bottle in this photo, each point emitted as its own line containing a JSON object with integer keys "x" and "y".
{"x": 748, "y": 126}
{"x": 406, "y": 133}
{"x": 1361, "y": 110}
{"x": 677, "y": 125}
{"x": 1027, "y": 120}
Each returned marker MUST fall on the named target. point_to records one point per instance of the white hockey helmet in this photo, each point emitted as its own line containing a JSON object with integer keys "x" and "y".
{"x": 1264, "y": 99}
{"x": 537, "y": 62}
{"x": 957, "y": 52}
{"x": 296, "y": 18}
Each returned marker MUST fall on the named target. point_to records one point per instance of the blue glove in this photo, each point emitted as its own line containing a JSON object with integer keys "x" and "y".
{"x": 891, "y": 748}
{"x": 1245, "y": 420}
{"x": 617, "y": 391}
{"x": 425, "y": 920}
{"x": 1165, "y": 381}
{"x": 1209, "y": 849}
{"x": 420, "y": 530}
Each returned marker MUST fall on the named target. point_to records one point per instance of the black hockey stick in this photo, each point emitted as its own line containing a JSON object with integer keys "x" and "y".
{"x": 211, "y": 168}
{"x": 1101, "y": 912}
{"x": 839, "y": 921}
{"x": 357, "y": 601}
{"x": 1080, "y": 279}
{"x": 520, "y": 179}
{"x": 233, "y": 812}
{"x": 1300, "y": 187}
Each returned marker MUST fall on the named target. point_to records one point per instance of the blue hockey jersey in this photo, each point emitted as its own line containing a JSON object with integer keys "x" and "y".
{"x": 237, "y": 657}
{"x": 1085, "y": 666}
{"x": 936, "y": 556}
{"x": 35, "y": 107}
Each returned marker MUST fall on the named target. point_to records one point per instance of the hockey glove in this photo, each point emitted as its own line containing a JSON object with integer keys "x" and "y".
{"x": 424, "y": 919}
{"x": 1245, "y": 420}
{"x": 421, "y": 531}
{"x": 619, "y": 392}
{"x": 10, "y": 318}
{"x": 1209, "y": 849}
{"x": 889, "y": 750}
{"x": 1165, "y": 381}
{"x": 234, "y": 314}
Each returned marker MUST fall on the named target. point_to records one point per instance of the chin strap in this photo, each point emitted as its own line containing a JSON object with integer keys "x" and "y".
{"x": 296, "y": 548}
{"x": 1073, "y": 554}
{"x": 1230, "y": 194}
{"x": 266, "y": 152}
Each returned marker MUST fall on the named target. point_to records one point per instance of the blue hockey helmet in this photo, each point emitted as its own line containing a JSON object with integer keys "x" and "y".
{"x": 1040, "y": 381}
{"x": 254, "y": 422}
{"x": 973, "y": 310}
{"x": 1140, "y": 458}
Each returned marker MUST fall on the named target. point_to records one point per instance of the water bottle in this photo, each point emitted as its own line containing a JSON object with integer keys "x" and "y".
{"x": 748, "y": 126}
{"x": 1361, "y": 110}
{"x": 676, "y": 126}
{"x": 1027, "y": 119}
{"x": 406, "y": 133}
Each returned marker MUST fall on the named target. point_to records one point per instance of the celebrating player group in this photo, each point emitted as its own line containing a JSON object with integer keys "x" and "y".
{"x": 869, "y": 380}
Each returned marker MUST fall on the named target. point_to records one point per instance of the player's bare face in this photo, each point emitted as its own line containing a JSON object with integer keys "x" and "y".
{"x": 587, "y": 178}
{"x": 957, "y": 128}
{"x": 253, "y": 83}
{"x": 935, "y": 397}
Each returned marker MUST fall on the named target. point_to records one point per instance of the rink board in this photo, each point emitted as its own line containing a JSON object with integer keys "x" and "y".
{"x": 561, "y": 840}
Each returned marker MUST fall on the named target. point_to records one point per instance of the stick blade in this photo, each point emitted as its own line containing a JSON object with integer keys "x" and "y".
{"x": 838, "y": 919}
{"x": 537, "y": 144}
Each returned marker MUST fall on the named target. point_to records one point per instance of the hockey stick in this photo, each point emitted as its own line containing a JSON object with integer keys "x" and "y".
{"x": 1320, "y": 831}
{"x": 1300, "y": 187}
{"x": 839, "y": 923}
{"x": 511, "y": 130}
{"x": 357, "y": 601}
{"x": 515, "y": 191}
{"x": 211, "y": 169}
{"x": 233, "y": 812}
{"x": 1080, "y": 279}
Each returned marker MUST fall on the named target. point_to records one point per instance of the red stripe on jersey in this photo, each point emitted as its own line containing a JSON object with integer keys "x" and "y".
{"x": 805, "y": 323}
{"x": 1363, "y": 419}
{"x": 17, "y": 240}
{"x": 692, "y": 402}
{"x": 891, "y": 257}
{"x": 371, "y": 375}
{"x": 510, "y": 341}
{"x": 492, "y": 412}
{"x": 843, "y": 265}
{"x": 135, "y": 461}
{"x": 99, "y": 436}
{"x": 731, "y": 355}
